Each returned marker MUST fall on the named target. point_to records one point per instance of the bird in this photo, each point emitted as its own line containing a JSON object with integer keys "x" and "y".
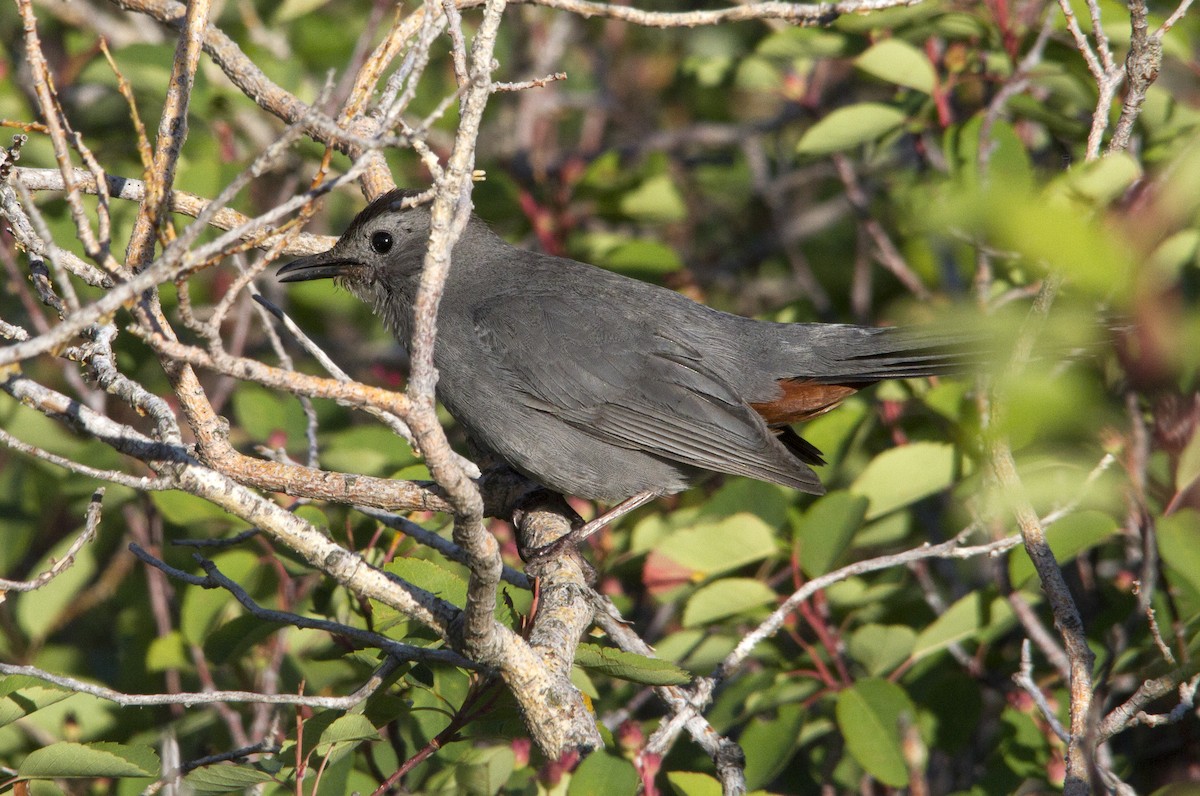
{"x": 604, "y": 387}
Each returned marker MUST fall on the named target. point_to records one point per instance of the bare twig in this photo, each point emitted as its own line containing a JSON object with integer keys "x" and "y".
{"x": 796, "y": 13}
{"x": 91, "y": 523}
{"x": 198, "y": 698}
{"x": 523, "y": 85}
{"x": 215, "y": 579}
{"x": 189, "y": 204}
{"x": 1100, "y": 62}
{"x": 727, "y": 756}
{"x": 1141, "y": 70}
{"x": 704, "y": 688}
{"x": 1024, "y": 678}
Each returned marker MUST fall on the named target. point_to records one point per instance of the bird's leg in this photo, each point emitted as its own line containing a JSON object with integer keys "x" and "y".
{"x": 582, "y": 532}
{"x": 612, "y": 515}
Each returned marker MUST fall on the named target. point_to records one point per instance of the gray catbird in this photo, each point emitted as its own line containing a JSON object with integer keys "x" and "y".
{"x": 604, "y": 387}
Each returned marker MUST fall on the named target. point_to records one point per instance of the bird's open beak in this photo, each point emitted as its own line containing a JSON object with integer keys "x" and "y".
{"x": 316, "y": 266}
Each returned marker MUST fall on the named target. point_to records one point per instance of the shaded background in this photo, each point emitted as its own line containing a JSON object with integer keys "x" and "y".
{"x": 715, "y": 161}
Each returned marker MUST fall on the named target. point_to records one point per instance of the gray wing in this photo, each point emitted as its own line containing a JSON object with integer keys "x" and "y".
{"x": 647, "y": 390}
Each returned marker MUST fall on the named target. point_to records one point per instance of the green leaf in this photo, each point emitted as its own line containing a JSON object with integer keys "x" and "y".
{"x": 1100, "y": 181}
{"x": 770, "y": 502}
{"x": 225, "y": 779}
{"x": 947, "y": 398}
{"x": 1068, "y": 537}
{"x": 184, "y": 510}
{"x": 36, "y": 611}
{"x": 602, "y": 774}
{"x": 868, "y": 714}
{"x": 897, "y": 61}
{"x": 881, "y": 648}
{"x": 792, "y": 42}
{"x": 90, "y": 760}
{"x": 583, "y": 681}
{"x": 699, "y": 649}
{"x": 1179, "y": 548}
{"x": 723, "y": 598}
{"x": 758, "y": 75}
{"x": 430, "y": 577}
{"x": 642, "y": 258}
{"x": 1045, "y": 229}
{"x": 848, "y": 127}
{"x": 708, "y": 70}
{"x": 825, "y": 530}
{"x": 770, "y": 743}
{"x": 21, "y": 695}
{"x": 203, "y": 608}
{"x": 710, "y": 548}
{"x": 1176, "y": 252}
{"x": 656, "y": 200}
{"x": 1188, "y": 469}
{"x": 485, "y": 770}
{"x": 146, "y": 66}
{"x": 1023, "y": 745}
{"x": 351, "y": 728}
{"x": 167, "y": 652}
{"x": 832, "y": 432}
{"x": 904, "y": 475}
{"x": 630, "y": 666}
{"x": 978, "y": 614}
{"x": 604, "y": 173}
{"x": 294, "y": 9}
{"x": 888, "y": 529}
{"x": 264, "y": 414}
{"x": 370, "y": 450}
{"x": 692, "y": 783}
{"x": 234, "y": 638}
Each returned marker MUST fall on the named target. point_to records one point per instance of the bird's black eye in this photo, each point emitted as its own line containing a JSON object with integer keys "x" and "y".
{"x": 381, "y": 242}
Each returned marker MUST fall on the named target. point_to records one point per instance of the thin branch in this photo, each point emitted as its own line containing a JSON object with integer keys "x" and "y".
{"x": 390, "y": 419}
{"x": 188, "y": 204}
{"x": 439, "y": 543}
{"x": 199, "y": 698}
{"x": 174, "y": 263}
{"x": 101, "y": 360}
{"x": 262, "y": 747}
{"x": 172, "y": 133}
{"x": 1107, "y": 74}
{"x": 1016, "y": 84}
{"x": 523, "y": 85}
{"x": 216, "y": 579}
{"x": 119, "y": 436}
{"x": 704, "y": 688}
{"x": 1024, "y": 678}
{"x": 1171, "y": 21}
{"x": 796, "y": 13}
{"x": 1141, "y": 70}
{"x": 768, "y": 627}
{"x": 141, "y": 483}
{"x": 555, "y": 712}
{"x": 1131, "y": 713}
{"x": 91, "y": 523}
{"x": 886, "y": 252}
{"x": 728, "y": 758}
{"x": 30, "y": 229}
{"x": 450, "y": 212}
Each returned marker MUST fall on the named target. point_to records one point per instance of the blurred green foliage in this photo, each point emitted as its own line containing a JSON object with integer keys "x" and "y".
{"x": 714, "y": 160}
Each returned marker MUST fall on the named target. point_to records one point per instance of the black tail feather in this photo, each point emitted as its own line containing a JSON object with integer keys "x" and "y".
{"x": 862, "y": 355}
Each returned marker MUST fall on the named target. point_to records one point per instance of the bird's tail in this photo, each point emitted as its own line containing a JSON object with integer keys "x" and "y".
{"x": 860, "y": 355}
